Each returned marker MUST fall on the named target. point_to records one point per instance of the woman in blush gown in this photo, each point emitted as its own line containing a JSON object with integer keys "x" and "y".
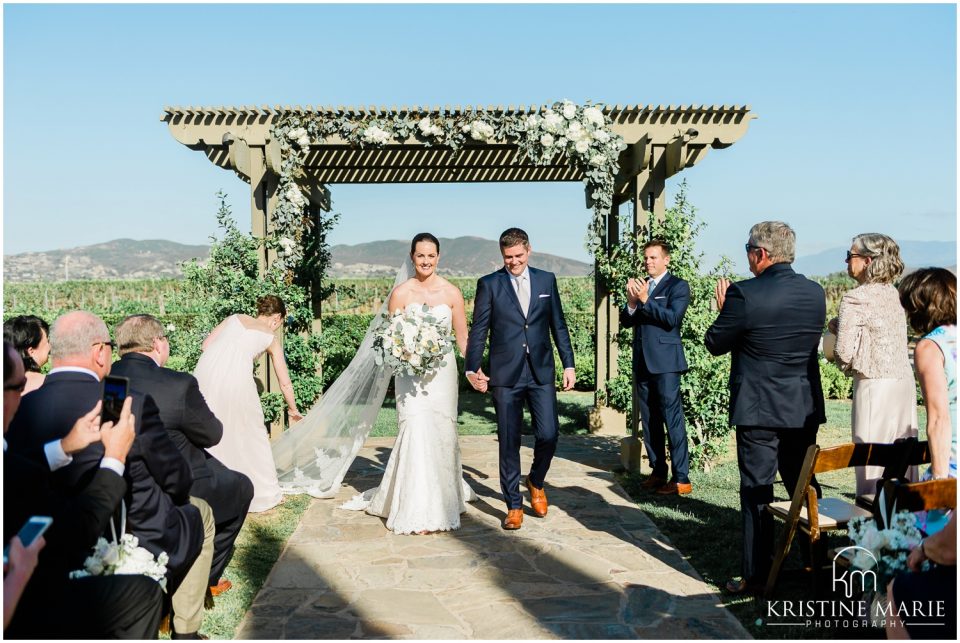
{"x": 225, "y": 376}
{"x": 422, "y": 489}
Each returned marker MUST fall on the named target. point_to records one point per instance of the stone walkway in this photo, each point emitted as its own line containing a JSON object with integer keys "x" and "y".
{"x": 595, "y": 568}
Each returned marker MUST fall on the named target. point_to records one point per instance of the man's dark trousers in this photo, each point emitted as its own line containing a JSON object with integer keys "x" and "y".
{"x": 660, "y": 403}
{"x": 761, "y": 454}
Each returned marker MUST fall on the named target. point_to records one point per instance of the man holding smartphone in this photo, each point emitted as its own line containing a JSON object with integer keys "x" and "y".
{"x": 75, "y": 523}
{"x": 160, "y": 511}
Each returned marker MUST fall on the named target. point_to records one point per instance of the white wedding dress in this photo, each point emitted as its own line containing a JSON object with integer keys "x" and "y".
{"x": 422, "y": 488}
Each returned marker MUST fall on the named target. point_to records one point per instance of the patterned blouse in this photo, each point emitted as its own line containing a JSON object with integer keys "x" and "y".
{"x": 872, "y": 334}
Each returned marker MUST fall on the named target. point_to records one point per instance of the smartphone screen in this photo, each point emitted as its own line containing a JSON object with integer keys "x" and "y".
{"x": 114, "y": 393}
{"x": 31, "y": 530}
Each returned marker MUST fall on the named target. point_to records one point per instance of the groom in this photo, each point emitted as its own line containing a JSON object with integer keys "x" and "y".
{"x": 520, "y": 308}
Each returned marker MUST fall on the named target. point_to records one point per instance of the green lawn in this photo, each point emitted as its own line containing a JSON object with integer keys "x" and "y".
{"x": 713, "y": 508}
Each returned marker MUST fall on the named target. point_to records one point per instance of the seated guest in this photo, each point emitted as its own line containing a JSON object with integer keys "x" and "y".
{"x": 17, "y": 571}
{"x": 872, "y": 347}
{"x": 192, "y": 426}
{"x": 30, "y": 337}
{"x": 936, "y": 585}
{"x": 929, "y": 296}
{"x": 160, "y": 511}
{"x": 93, "y": 607}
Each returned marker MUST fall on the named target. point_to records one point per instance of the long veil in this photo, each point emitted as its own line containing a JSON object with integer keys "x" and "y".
{"x": 313, "y": 456}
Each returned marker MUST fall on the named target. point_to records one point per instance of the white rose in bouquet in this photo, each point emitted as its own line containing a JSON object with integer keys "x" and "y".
{"x": 582, "y": 147}
{"x": 547, "y": 140}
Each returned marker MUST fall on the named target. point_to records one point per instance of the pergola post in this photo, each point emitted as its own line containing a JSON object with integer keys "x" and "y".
{"x": 263, "y": 198}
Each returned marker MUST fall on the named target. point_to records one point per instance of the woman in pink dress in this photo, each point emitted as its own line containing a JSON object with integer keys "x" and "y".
{"x": 225, "y": 375}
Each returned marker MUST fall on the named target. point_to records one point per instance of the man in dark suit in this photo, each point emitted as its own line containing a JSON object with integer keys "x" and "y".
{"x": 655, "y": 309}
{"x": 160, "y": 511}
{"x": 772, "y": 325}
{"x": 192, "y": 426}
{"x": 53, "y": 606}
{"x": 519, "y": 307}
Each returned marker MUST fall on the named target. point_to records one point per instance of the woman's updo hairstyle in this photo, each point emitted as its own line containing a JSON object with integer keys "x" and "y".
{"x": 271, "y": 305}
{"x": 424, "y": 236}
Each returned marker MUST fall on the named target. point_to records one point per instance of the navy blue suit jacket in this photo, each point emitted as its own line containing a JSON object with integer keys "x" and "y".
{"x": 656, "y": 327}
{"x": 497, "y": 312}
{"x": 772, "y": 325}
{"x": 158, "y": 477}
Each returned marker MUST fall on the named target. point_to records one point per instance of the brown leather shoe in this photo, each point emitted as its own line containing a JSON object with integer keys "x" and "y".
{"x": 538, "y": 498}
{"x": 653, "y": 482}
{"x": 221, "y": 588}
{"x": 514, "y": 519}
{"x": 675, "y": 488}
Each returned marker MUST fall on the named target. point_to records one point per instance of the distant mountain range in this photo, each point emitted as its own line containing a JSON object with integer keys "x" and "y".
{"x": 463, "y": 256}
{"x": 153, "y": 259}
{"x": 117, "y": 259}
{"x": 460, "y": 257}
{"x": 915, "y": 254}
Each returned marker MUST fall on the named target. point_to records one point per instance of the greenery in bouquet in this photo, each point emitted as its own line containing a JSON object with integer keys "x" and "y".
{"x": 888, "y": 547}
{"x": 124, "y": 557}
{"x": 412, "y": 342}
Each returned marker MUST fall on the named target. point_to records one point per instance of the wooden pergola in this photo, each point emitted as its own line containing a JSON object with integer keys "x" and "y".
{"x": 662, "y": 141}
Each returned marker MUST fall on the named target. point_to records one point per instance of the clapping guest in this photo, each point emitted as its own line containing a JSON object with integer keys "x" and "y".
{"x": 144, "y": 349}
{"x": 30, "y": 337}
{"x": 872, "y": 347}
{"x": 160, "y": 511}
{"x": 929, "y": 297}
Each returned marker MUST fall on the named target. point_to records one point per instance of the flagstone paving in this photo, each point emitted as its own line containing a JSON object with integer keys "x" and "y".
{"x": 595, "y": 568}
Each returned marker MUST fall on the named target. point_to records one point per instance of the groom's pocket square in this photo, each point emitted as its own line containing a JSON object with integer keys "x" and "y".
{"x": 661, "y": 297}
{"x": 542, "y": 296}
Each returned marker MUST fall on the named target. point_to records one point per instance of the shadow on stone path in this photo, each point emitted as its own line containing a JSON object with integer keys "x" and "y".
{"x": 595, "y": 568}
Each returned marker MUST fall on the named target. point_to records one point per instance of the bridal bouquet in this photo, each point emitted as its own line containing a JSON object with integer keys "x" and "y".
{"x": 412, "y": 341}
{"x": 124, "y": 557}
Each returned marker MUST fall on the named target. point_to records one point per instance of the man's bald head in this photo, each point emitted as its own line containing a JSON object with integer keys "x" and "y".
{"x": 79, "y": 338}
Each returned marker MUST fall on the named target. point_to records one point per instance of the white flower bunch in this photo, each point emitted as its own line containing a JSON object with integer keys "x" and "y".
{"x": 125, "y": 557}
{"x": 429, "y": 127}
{"x": 890, "y": 546}
{"x": 480, "y": 130}
{"x": 288, "y": 246}
{"x": 299, "y": 135}
{"x": 295, "y": 196}
{"x": 412, "y": 342}
{"x": 376, "y": 134}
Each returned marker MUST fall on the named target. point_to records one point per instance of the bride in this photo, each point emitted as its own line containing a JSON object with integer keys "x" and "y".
{"x": 422, "y": 489}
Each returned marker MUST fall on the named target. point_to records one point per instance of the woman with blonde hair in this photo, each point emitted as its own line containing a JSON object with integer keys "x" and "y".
{"x": 872, "y": 348}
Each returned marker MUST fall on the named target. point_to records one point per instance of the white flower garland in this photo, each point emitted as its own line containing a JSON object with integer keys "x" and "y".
{"x": 580, "y": 132}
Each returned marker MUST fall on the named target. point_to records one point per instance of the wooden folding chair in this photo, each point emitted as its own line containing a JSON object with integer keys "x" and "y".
{"x": 908, "y": 452}
{"x": 813, "y": 516}
{"x": 915, "y": 496}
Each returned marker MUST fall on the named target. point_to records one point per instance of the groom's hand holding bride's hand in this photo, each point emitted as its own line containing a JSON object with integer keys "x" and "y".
{"x": 478, "y": 380}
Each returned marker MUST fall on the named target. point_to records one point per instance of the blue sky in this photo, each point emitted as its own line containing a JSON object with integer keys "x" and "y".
{"x": 856, "y": 104}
